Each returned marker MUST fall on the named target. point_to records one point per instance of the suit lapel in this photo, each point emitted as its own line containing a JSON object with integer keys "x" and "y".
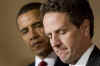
{"x": 94, "y": 59}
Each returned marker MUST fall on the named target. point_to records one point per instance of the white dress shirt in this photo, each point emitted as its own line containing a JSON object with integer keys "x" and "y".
{"x": 50, "y": 60}
{"x": 84, "y": 58}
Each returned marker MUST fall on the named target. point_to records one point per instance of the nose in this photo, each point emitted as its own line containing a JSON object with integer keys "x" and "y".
{"x": 33, "y": 35}
{"x": 55, "y": 41}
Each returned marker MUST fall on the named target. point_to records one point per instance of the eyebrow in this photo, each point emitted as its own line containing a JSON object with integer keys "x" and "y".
{"x": 62, "y": 27}
{"x": 36, "y": 23}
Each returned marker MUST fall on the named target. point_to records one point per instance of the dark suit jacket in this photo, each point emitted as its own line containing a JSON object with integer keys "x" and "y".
{"x": 57, "y": 63}
{"x": 94, "y": 59}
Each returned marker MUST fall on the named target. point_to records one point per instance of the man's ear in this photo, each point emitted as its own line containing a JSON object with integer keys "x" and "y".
{"x": 85, "y": 27}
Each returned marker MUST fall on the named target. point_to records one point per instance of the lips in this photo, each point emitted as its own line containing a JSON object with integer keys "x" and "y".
{"x": 61, "y": 51}
{"x": 36, "y": 43}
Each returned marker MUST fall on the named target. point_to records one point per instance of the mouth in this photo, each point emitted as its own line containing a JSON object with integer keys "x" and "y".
{"x": 60, "y": 49}
{"x": 62, "y": 52}
{"x": 36, "y": 43}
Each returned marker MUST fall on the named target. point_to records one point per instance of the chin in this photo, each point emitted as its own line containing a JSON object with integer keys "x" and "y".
{"x": 37, "y": 52}
{"x": 65, "y": 60}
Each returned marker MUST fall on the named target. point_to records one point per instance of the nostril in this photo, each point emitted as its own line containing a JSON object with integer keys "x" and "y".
{"x": 34, "y": 37}
{"x": 58, "y": 45}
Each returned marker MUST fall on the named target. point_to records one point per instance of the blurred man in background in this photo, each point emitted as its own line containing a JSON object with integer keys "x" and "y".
{"x": 31, "y": 31}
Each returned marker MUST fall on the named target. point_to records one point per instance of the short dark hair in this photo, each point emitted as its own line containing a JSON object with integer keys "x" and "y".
{"x": 78, "y": 10}
{"x": 28, "y": 7}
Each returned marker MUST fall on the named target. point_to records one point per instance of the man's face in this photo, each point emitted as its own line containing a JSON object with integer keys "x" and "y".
{"x": 31, "y": 30}
{"x": 68, "y": 41}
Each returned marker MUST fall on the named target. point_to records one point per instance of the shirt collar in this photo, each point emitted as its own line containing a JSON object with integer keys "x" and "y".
{"x": 50, "y": 59}
{"x": 84, "y": 58}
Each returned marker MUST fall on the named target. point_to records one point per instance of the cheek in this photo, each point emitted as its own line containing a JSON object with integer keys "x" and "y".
{"x": 40, "y": 31}
{"x": 25, "y": 38}
{"x": 42, "y": 34}
{"x": 68, "y": 39}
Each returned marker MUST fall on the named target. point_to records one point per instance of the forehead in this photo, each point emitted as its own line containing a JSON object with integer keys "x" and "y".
{"x": 54, "y": 20}
{"x": 28, "y": 17}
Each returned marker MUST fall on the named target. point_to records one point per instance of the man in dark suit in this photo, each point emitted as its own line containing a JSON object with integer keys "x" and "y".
{"x": 70, "y": 26}
{"x": 31, "y": 31}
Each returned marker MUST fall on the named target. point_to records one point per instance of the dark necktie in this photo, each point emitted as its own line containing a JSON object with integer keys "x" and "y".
{"x": 42, "y": 63}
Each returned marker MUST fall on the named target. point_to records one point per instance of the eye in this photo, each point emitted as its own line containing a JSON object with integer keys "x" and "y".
{"x": 24, "y": 31}
{"x": 62, "y": 31}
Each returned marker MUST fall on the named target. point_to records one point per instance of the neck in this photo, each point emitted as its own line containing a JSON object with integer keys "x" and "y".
{"x": 84, "y": 51}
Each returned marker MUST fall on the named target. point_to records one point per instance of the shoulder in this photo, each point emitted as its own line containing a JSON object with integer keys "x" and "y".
{"x": 94, "y": 58}
{"x": 32, "y": 64}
